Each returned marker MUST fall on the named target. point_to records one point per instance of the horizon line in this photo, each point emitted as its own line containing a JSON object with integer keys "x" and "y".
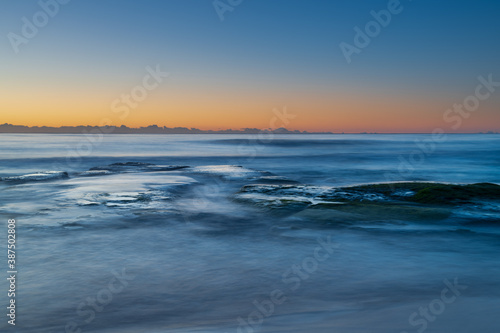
{"x": 7, "y": 128}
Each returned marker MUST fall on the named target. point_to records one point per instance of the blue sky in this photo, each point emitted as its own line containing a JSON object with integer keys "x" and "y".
{"x": 431, "y": 48}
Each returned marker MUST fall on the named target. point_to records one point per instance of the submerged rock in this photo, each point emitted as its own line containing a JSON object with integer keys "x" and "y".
{"x": 38, "y": 176}
{"x": 411, "y": 201}
{"x": 135, "y": 167}
{"x": 452, "y": 194}
{"x": 278, "y": 180}
{"x": 92, "y": 173}
{"x": 310, "y": 193}
{"x": 123, "y": 199}
{"x": 434, "y": 193}
{"x": 228, "y": 172}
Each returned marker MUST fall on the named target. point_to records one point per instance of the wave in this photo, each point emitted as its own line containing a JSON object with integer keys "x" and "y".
{"x": 226, "y": 171}
{"x": 36, "y": 177}
{"x": 137, "y": 167}
{"x": 292, "y": 143}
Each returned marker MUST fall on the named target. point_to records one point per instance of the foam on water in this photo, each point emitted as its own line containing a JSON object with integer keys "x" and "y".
{"x": 305, "y": 193}
{"x": 226, "y": 171}
{"x": 38, "y": 176}
{"x": 201, "y": 259}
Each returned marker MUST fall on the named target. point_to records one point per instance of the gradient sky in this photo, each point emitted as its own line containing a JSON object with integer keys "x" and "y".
{"x": 266, "y": 54}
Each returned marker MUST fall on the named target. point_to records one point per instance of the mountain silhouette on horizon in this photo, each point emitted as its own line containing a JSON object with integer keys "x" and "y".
{"x": 152, "y": 129}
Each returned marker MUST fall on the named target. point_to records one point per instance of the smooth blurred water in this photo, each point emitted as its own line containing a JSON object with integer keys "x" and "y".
{"x": 331, "y": 159}
{"x": 196, "y": 260}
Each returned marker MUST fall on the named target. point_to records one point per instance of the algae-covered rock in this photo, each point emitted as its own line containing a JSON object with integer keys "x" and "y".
{"x": 444, "y": 194}
{"x": 410, "y": 201}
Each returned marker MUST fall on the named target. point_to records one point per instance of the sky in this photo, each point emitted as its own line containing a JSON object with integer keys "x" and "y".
{"x": 240, "y": 63}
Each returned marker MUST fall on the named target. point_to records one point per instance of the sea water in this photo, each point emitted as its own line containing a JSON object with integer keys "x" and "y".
{"x": 145, "y": 233}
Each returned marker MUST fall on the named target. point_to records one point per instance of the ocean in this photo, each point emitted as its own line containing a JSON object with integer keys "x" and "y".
{"x": 252, "y": 233}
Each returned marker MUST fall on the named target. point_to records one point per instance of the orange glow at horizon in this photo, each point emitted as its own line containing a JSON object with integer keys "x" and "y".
{"x": 215, "y": 111}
